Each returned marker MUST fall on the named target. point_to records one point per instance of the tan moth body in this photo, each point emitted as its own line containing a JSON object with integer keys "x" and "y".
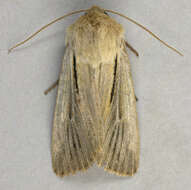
{"x": 95, "y": 117}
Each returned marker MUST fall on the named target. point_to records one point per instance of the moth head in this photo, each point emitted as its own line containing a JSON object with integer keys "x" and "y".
{"x": 96, "y": 9}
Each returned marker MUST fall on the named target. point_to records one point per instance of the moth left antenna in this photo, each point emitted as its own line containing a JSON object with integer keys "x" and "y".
{"x": 44, "y": 27}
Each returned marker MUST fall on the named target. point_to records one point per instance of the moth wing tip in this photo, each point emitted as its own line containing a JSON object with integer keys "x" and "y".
{"x": 122, "y": 174}
{"x": 72, "y": 171}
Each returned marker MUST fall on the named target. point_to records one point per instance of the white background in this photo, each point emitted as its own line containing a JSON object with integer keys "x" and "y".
{"x": 162, "y": 83}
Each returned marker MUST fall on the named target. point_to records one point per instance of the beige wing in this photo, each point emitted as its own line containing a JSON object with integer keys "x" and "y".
{"x": 72, "y": 146}
{"x": 120, "y": 151}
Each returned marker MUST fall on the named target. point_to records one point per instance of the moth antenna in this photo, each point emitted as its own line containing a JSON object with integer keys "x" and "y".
{"x": 147, "y": 30}
{"x": 44, "y": 27}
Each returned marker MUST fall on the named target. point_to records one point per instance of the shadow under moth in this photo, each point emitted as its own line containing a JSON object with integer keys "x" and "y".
{"x": 95, "y": 118}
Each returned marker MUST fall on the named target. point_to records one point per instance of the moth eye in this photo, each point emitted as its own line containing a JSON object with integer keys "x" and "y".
{"x": 105, "y": 13}
{"x": 85, "y": 13}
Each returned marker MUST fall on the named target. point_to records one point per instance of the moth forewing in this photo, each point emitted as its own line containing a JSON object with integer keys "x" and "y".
{"x": 72, "y": 147}
{"x": 121, "y": 141}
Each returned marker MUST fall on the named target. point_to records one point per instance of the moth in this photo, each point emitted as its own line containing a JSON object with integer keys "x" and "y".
{"x": 95, "y": 119}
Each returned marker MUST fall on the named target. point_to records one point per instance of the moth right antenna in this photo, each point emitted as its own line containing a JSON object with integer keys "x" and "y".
{"x": 144, "y": 28}
{"x": 47, "y": 25}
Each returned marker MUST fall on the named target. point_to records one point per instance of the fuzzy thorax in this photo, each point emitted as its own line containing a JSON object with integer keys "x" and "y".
{"x": 95, "y": 37}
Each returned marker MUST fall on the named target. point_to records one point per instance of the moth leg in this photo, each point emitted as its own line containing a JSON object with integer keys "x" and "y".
{"x": 137, "y": 99}
{"x": 51, "y": 87}
{"x": 132, "y": 49}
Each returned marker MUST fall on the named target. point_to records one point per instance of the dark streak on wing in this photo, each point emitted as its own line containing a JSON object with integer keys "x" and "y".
{"x": 75, "y": 73}
{"x": 114, "y": 79}
{"x": 70, "y": 110}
